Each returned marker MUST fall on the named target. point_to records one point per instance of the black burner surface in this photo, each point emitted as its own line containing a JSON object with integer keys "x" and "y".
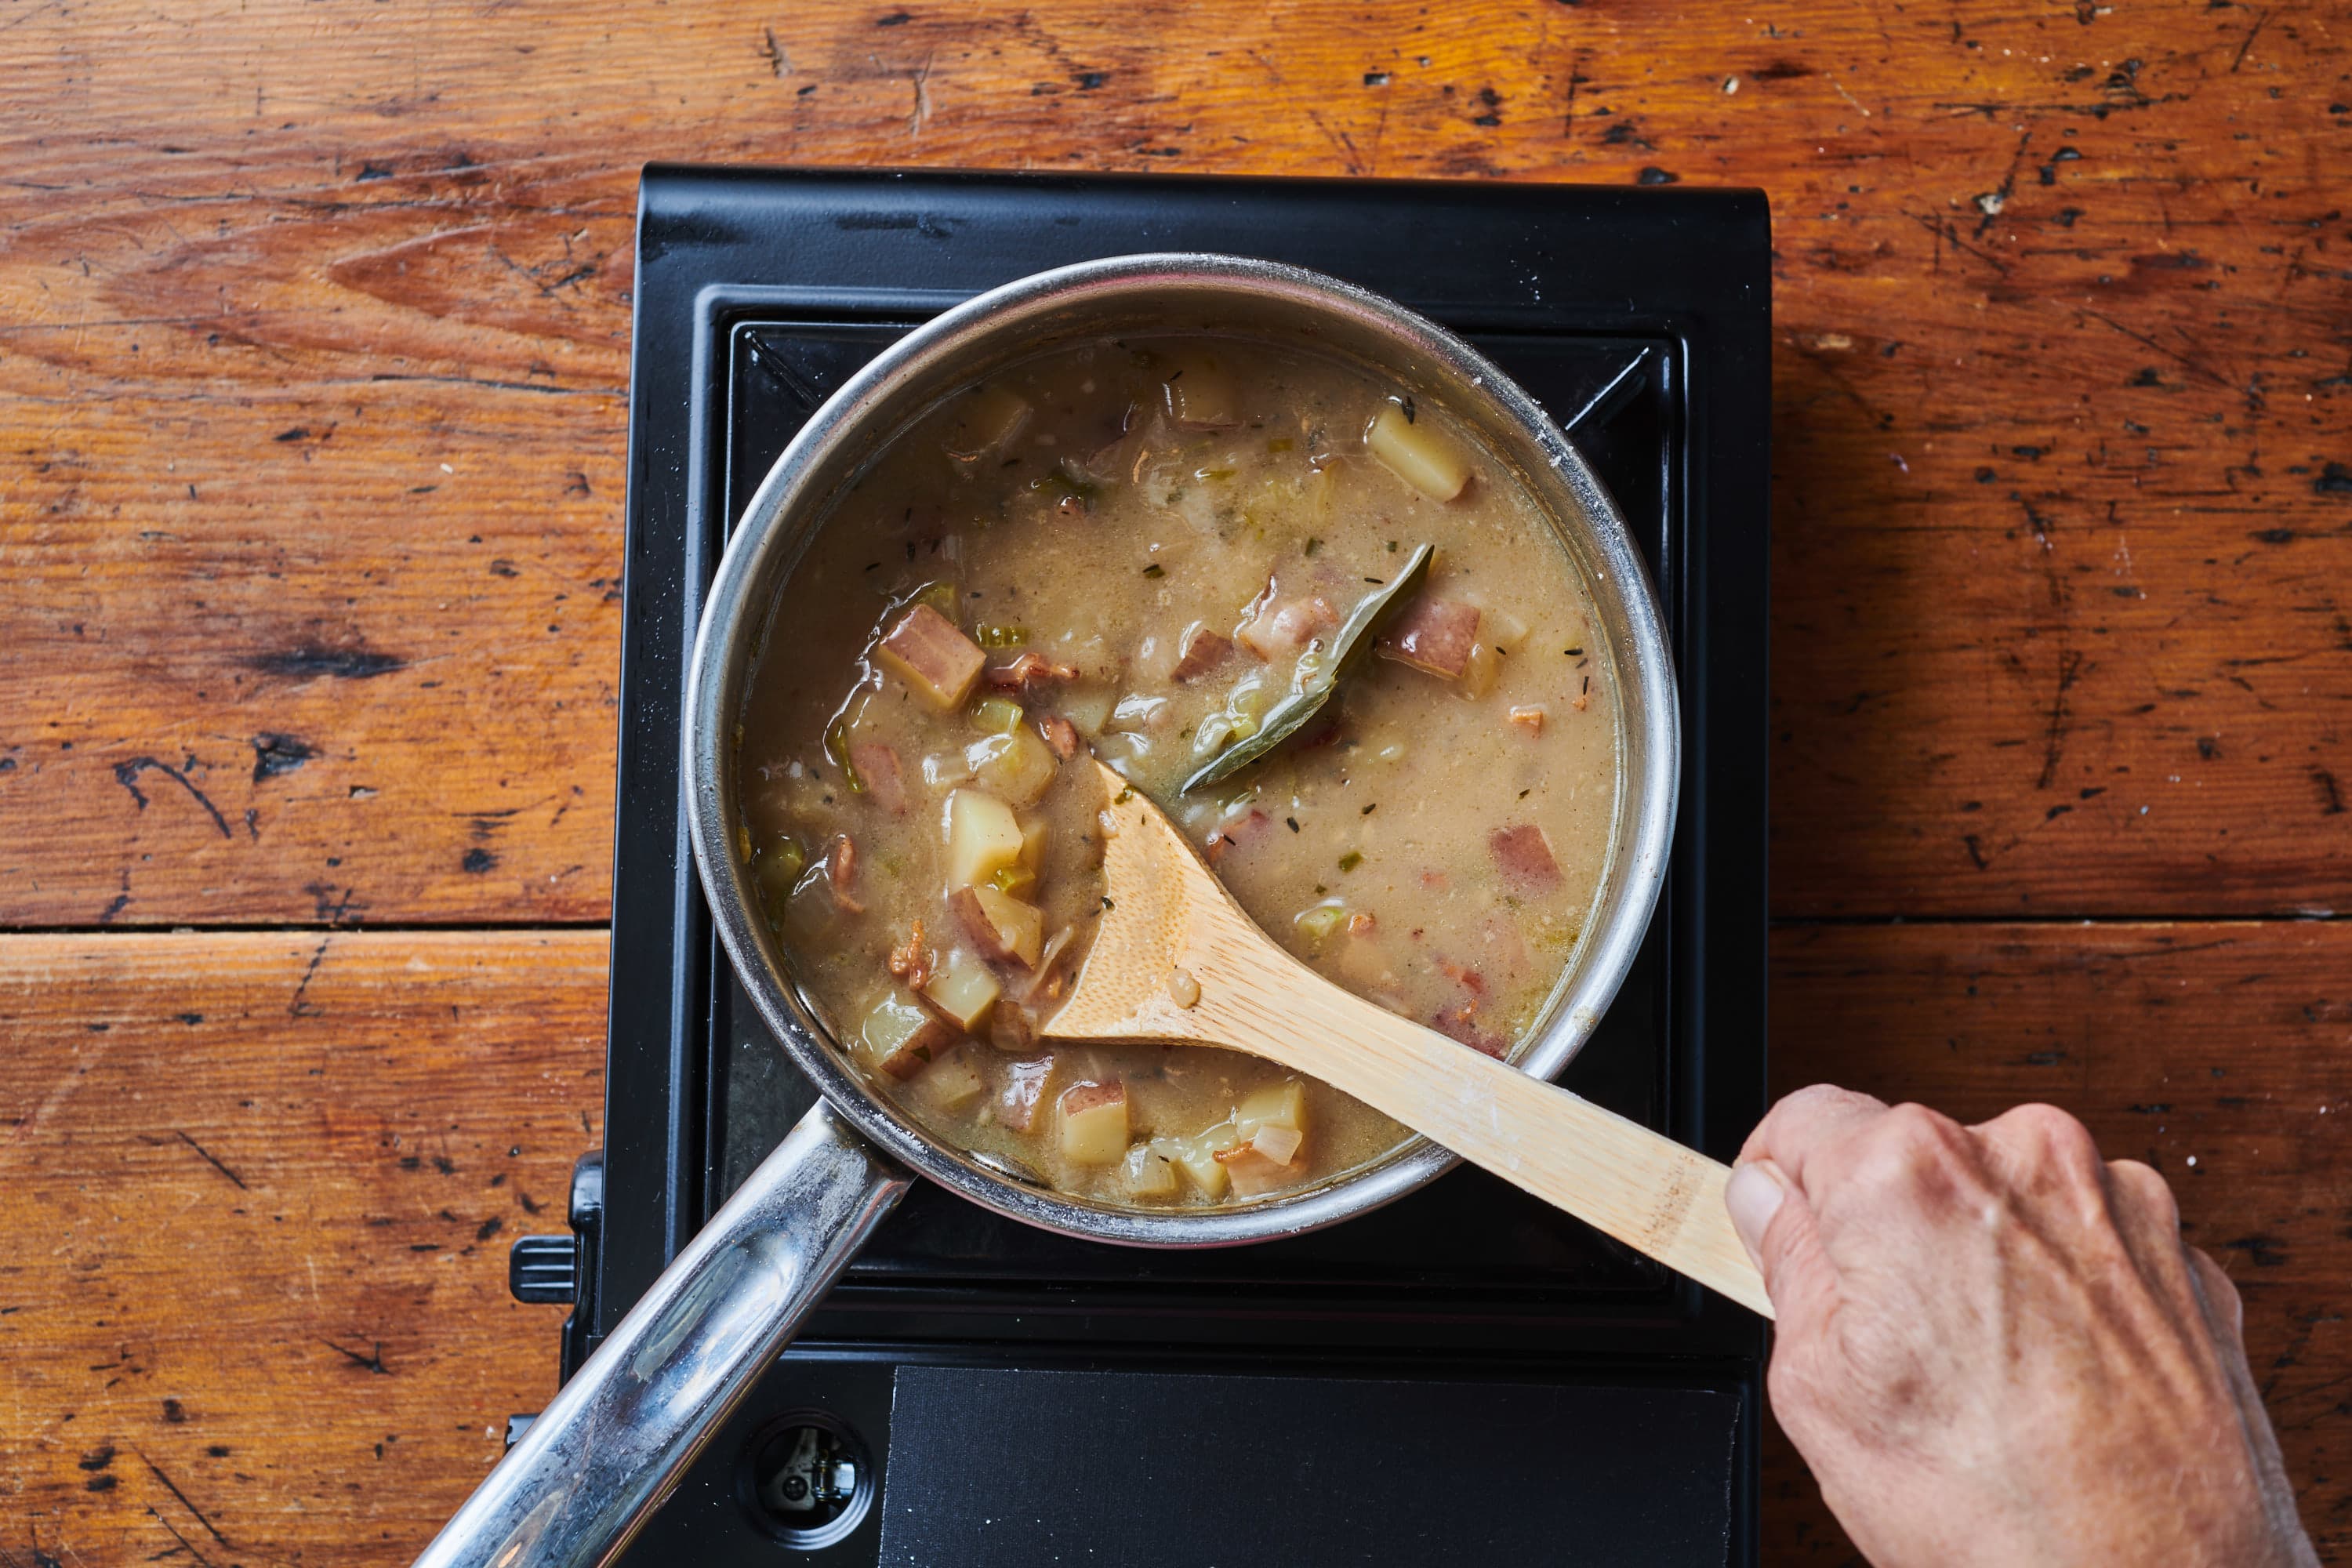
{"x": 1640, "y": 320}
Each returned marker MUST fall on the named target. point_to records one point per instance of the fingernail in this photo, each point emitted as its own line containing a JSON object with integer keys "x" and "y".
{"x": 1754, "y": 1194}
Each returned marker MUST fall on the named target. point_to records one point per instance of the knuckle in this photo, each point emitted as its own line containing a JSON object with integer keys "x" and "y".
{"x": 2051, "y": 1130}
{"x": 2146, "y": 1195}
{"x": 1912, "y": 1140}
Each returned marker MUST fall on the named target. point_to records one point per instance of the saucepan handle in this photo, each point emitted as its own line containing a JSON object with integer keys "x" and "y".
{"x": 613, "y": 1442}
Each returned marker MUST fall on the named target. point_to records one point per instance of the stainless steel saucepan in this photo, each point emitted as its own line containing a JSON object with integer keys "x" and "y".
{"x": 611, "y": 1445}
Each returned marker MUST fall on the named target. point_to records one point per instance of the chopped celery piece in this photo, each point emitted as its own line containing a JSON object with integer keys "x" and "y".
{"x": 997, "y": 715}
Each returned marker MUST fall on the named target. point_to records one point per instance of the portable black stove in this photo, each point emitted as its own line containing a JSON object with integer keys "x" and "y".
{"x": 1464, "y": 1376}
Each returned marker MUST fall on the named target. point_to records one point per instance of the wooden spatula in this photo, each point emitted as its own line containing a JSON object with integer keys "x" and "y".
{"x": 1175, "y": 959}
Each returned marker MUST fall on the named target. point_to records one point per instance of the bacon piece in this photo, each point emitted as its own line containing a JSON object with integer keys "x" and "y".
{"x": 1434, "y": 634}
{"x": 1060, "y": 734}
{"x": 1361, "y": 923}
{"x": 878, "y": 771}
{"x": 927, "y": 651}
{"x": 1287, "y": 625}
{"x": 1029, "y": 669}
{"x": 913, "y": 963}
{"x": 1232, "y": 834}
{"x": 1524, "y": 853}
{"x": 841, "y": 873}
{"x": 1204, "y": 651}
{"x": 1529, "y": 718}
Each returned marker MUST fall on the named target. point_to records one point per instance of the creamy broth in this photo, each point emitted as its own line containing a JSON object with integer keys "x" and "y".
{"x": 1135, "y": 548}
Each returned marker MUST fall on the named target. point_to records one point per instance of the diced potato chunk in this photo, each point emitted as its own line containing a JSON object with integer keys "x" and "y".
{"x": 1088, "y": 709}
{"x": 999, "y": 925}
{"x": 1201, "y": 392}
{"x": 1015, "y": 766}
{"x": 1197, "y": 1157}
{"x": 954, "y": 1081}
{"x": 963, "y": 991}
{"x": 1032, "y": 844}
{"x": 996, "y": 416}
{"x": 983, "y": 838}
{"x": 1416, "y": 453}
{"x": 899, "y": 1037}
{"x": 1093, "y": 1123}
{"x": 1024, "y": 1091}
{"x": 1148, "y": 1173}
{"x": 939, "y": 663}
{"x": 1280, "y": 1104}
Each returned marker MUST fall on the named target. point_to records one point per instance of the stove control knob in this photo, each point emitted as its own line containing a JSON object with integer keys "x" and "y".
{"x": 544, "y": 1268}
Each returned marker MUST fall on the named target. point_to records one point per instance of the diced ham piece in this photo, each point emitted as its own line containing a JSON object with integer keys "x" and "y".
{"x": 1284, "y": 626}
{"x": 1434, "y": 634}
{"x": 1060, "y": 734}
{"x": 1524, "y": 853}
{"x": 1462, "y": 1024}
{"x": 1252, "y": 1171}
{"x": 1029, "y": 669}
{"x": 1205, "y": 651}
{"x": 1231, "y": 835}
{"x": 878, "y": 771}
{"x": 927, "y": 651}
{"x": 841, "y": 873}
{"x": 1025, "y": 1091}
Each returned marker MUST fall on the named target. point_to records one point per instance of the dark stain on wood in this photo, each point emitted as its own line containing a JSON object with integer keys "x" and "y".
{"x": 274, "y": 753}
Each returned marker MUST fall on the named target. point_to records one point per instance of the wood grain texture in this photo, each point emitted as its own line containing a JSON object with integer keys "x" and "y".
{"x": 313, "y": 349}
{"x": 2219, "y": 1053}
{"x": 253, "y": 1302}
{"x": 2065, "y": 352}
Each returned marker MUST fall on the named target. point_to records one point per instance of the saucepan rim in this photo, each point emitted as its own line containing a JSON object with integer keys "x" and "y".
{"x": 935, "y": 361}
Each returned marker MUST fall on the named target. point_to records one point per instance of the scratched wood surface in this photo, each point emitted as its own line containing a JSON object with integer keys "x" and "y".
{"x": 313, "y": 353}
{"x": 317, "y": 324}
{"x": 253, "y": 1298}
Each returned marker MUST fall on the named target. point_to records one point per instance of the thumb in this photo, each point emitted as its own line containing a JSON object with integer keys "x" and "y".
{"x": 1776, "y": 1224}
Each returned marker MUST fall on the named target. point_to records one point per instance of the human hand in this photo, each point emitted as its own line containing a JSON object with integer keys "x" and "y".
{"x": 1993, "y": 1347}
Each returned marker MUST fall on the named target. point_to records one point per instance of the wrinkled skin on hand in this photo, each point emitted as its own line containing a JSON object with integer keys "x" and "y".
{"x": 1993, "y": 1347}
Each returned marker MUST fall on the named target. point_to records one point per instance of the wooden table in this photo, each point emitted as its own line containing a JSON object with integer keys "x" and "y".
{"x": 314, "y": 334}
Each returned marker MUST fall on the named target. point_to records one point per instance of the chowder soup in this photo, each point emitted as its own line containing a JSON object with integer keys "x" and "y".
{"x": 1137, "y": 549}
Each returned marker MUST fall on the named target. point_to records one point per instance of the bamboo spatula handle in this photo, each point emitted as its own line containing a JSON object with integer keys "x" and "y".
{"x": 1649, "y": 1191}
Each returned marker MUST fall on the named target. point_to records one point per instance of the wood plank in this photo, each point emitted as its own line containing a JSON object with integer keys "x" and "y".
{"x": 2219, "y": 1053}
{"x": 2064, "y": 510}
{"x": 260, "y": 1187}
{"x": 135, "y": 1270}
